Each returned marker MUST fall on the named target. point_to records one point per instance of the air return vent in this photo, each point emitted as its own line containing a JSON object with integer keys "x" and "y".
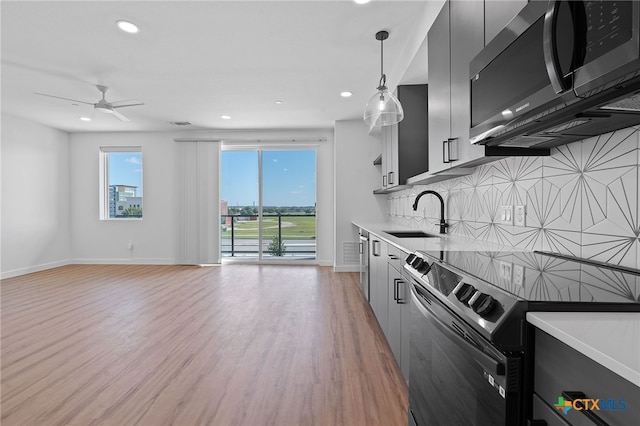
{"x": 350, "y": 252}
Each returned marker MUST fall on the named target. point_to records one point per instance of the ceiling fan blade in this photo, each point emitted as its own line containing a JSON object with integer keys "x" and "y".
{"x": 66, "y": 99}
{"x": 120, "y": 116}
{"x": 128, "y": 103}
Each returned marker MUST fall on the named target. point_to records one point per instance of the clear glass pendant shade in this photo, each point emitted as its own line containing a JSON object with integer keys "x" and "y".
{"x": 383, "y": 109}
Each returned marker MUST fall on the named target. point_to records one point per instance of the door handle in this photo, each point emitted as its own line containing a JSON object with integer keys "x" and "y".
{"x": 561, "y": 79}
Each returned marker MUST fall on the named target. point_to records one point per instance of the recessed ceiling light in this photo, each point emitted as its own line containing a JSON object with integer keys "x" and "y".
{"x": 225, "y": 117}
{"x": 362, "y": 1}
{"x": 128, "y": 27}
{"x": 346, "y": 94}
{"x": 278, "y": 102}
{"x": 85, "y": 119}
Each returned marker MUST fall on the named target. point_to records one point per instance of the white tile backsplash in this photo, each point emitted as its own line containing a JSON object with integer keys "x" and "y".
{"x": 582, "y": 200}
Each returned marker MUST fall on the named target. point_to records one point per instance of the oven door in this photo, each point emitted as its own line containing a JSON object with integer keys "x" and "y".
{"x": 456, "y": 377}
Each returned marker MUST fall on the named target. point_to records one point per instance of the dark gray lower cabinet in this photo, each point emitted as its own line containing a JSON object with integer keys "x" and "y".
{"x": 388, "y": 296}
{"x": 563, "y": 374}
{"x": 398, "y": 321}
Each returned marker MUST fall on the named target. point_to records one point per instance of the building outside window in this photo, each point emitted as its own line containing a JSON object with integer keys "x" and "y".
{"x": 121, "y": 183}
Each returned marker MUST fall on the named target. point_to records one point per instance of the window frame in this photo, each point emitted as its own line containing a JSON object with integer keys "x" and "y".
{"x": 103, "y": 168}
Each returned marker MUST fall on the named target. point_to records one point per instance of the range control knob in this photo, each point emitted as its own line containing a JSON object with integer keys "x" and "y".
{"x": 410, "y": 258}
{"x": 465, "y": 292}
{"x": 424, "y": 268}
{"x": 417, "y": 262}
{"x": 483, "y": 305}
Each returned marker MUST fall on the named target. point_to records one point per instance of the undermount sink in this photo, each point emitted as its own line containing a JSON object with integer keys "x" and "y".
{"x": 411, "y": 234}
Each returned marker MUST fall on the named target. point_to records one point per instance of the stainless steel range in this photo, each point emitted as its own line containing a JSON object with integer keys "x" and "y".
{"x": 471, "y": 347}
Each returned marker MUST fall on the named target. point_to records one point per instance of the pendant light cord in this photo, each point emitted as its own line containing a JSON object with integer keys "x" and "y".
{"x": 383, "y": 78}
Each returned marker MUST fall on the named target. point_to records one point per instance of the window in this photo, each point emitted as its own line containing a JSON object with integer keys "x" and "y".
{"x": 268, "y": 203}
{"x": 120, "y": 183}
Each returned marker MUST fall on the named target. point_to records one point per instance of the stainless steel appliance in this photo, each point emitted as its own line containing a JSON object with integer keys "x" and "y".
{"x": 471, "y": 348}
{"x": 364, "y": 262}
{"x": 560, "y": 71}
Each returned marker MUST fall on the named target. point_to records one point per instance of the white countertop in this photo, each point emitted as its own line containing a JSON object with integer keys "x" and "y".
{"x": 612, "y": 339}
{"x": 442, "y": 242}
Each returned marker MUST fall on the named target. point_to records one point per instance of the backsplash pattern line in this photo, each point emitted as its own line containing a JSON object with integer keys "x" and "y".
{"x": 582, "y": 200}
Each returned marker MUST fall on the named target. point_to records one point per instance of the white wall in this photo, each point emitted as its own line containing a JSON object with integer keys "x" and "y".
{"x": 154, "y": 237}
{"x": 106, "y": 241}
{"x": 35, "y": 197}
{"x": 356, "y": 177}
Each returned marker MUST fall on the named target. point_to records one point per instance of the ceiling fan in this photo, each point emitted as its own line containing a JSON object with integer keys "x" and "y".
{"x": 102, "y": 104}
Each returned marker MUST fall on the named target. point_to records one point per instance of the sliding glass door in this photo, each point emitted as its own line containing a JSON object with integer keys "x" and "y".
{"x": 268, "y": 205}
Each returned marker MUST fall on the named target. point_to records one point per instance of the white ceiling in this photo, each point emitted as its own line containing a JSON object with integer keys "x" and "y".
{"x": 197, "y": 60}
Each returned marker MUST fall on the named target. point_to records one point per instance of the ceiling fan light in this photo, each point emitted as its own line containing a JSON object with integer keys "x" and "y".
{"x": 383, "y": 109}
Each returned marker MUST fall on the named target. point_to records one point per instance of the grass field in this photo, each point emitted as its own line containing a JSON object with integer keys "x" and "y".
{"x": 293, "y": 227}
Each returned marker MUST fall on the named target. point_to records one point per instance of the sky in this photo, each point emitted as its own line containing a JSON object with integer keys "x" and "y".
{"x": 289, "y": 178}
{"x": 125, "y": 168}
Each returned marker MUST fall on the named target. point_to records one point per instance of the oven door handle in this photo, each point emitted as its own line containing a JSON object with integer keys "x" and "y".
{"x": 485, "y": 360}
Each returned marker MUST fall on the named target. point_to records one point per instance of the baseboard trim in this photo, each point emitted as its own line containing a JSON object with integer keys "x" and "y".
{"x": 34, "y": 268}
{"x": 346, "y": 268}
{"x": 143, "y": 261}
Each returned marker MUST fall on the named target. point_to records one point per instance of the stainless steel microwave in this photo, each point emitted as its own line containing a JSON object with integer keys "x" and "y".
{"x": 560, "y": 71}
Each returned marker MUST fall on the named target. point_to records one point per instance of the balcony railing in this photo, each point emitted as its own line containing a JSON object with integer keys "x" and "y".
{"x": 283, "y": 235}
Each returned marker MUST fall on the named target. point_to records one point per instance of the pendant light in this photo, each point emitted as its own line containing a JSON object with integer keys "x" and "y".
{"x": 383, "y": 109}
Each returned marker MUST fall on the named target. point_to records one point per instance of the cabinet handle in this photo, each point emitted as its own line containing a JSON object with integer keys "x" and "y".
{"x": 445, "y": 151}
{"x": 384, "y": 180}
{"x": 453, "y": 152}
{"x": 396, "y": 291}
{"x": 571, "y": 395}
{"x": 361, "y": 248}
{"x": 390, "y": 179}
{"x": 376, "y": 252}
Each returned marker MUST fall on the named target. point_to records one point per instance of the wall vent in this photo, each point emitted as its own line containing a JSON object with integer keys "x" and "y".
{"x": 350, "y": 253}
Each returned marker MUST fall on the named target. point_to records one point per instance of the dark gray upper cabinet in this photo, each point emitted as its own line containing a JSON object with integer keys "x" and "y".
{"x": 438, "y": 41}
{"x": 457, "y": 35}
{"x": 405, "y": 146}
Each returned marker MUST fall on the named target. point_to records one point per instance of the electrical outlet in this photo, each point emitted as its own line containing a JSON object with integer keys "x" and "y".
{"x": 506, "y": 215}
{"x": 518, "y": 275}
{"x": 520, "y": 215}
{"x": 130, "y": 245}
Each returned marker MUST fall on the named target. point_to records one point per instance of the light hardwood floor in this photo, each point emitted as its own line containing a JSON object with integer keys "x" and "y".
{"x": 160, "y": 345}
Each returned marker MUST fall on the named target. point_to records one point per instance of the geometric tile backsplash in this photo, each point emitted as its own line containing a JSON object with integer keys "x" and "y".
{"x": 582, "y": 200}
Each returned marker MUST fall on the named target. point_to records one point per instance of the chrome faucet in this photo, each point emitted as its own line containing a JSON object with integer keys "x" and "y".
{"x": 443, "y": 225}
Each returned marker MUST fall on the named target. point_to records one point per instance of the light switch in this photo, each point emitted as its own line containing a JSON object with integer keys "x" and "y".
{"x": 520, "y": 215}
{"x": 505, "y": 270}
{"x": 506, "y": 215}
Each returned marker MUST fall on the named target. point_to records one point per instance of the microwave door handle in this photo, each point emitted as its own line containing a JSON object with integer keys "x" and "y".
{"x": 483, "y": 359}
{"x": 549, "y": 45}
